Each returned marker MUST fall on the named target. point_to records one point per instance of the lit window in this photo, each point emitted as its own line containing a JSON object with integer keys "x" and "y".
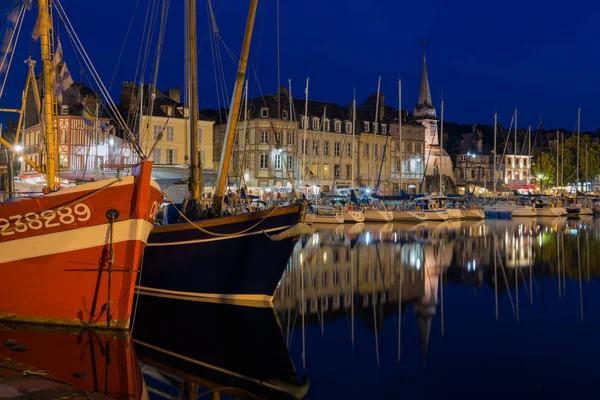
{"x": 64, "y": 110}
{"x": 264, "y": 112}
{"x": 264, "y": 137}
{"x": 264, "y": 161}
{"x": 277, "y": 161}
{"x": 336, "y": 149}
{"x": 325, "y": 171}
{"x": 338, "y": 126}
{"x": 170, "y": 133}
{"x": 326, "y": 148}
{"x": 349, "y": 149}
{"x": 169, "y": 110}
{"x": 315, "y": 124}
{"x": 366, "y": 126}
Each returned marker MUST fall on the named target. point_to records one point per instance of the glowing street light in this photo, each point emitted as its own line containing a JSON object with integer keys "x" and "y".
{"x": 18, "y": 148}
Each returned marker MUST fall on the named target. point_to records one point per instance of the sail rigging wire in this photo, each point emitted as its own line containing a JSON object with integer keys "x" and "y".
{"x": 16, "y": 30}
{"x": 104, "y": 92}
{"x": 137, "y": 3}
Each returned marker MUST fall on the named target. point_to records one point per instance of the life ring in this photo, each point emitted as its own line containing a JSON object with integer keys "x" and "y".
{"x": 418, "y": 208}
{"x": 349, "y": 208}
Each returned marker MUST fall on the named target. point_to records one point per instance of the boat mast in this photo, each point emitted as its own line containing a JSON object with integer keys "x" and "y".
{"x": 49, "y": 104}
{"x": 400, "y": 129}
{"x": 304, "y": 143}
{"x": 441, "y": 146}
{"x": 495, "y": 132}
{"x": 515, "y": 154}
{"x": 196, "y": 181}
{"x": 529, "y": 159}
{"x": 578, "y": 134}
{"x": 353, "y": 131}
{"x": 234, "y": 111}
{"x": 557, "y": 143}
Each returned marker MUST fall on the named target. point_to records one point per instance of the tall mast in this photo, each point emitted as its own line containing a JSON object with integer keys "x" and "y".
{"x": 515, "y": 154}
{"x": 291, "y": 135}
{"x": 278, "y": 68}
{"x": 528, "y": 158}
{"x": 353, "y": 131}
{"x": 495, "y": 133}
{"x": 562, "y": 159}
{"x": 375, "y": 135}
{"x": 578, "y": 134}
{"x": 400, "y": 130}
{"x": 304, "y": 143}
{"x": 557, "y": 141}
{"x": 196, "y": 180}
{"x": 234, "y": 110}
{"x": 49, "y": 104}
{"x": 441, "y": 145}
{"x": 322, "y": 146}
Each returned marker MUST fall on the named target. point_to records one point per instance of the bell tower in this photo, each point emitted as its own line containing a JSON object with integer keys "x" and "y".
{"x": 424, "y": 110}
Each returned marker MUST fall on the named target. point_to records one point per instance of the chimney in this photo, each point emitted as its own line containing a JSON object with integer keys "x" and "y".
{"x": 128, "y": 96}
{"x": 174, "y": 94}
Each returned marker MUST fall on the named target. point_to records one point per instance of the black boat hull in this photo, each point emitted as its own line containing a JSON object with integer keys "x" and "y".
{"x": 240, "y": 263}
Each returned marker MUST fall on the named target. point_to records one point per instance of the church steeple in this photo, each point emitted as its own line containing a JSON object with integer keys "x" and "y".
{"x": 424, "y": 108}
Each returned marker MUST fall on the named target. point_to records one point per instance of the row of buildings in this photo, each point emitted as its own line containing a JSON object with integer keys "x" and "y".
{"x": 280, "y": 141}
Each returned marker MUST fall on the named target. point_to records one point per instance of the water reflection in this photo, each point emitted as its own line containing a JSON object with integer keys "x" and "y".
{"x": 366, "y": 274}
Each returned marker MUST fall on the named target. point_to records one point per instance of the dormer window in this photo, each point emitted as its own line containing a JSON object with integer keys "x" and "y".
{"x": 383, "y": 129}
{"x": 285, "y": 114}
{"x": 264, "y": 112}
{"x": 374, "y": 127}
{"x": 348, "y": 127}
{"x": 304, "y": 122}
{"x": 327, "y": 125}
{"x": 186, "y": 112}
{"x": 315, "y": 124}
{"x": 367, "y": 125}
{"x": 64, "y": 110}
{"x": 338, "y": 126}
{"x": 170, "y": 111}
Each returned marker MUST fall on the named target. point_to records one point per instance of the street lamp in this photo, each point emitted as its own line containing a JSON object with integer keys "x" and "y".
{"x": 540, "y": 177}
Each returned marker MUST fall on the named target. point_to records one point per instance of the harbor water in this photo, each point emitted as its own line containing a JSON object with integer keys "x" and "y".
{"x": 424, "y": 311}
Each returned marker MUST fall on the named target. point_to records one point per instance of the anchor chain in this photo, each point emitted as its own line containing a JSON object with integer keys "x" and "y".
{"x": 111, "y": 215}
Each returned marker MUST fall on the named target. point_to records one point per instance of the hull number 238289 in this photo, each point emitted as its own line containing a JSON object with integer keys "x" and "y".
{"x": 46, "y": 219}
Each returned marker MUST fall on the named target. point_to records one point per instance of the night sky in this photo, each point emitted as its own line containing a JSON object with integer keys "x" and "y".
{"x": 483, "y": 56}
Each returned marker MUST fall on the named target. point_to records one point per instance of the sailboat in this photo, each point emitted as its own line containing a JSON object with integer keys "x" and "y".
{"x": 237, "y": 257}
{"x": 70, "y": 257}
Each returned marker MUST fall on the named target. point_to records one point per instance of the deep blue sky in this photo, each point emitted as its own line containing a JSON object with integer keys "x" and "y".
{"x": 484, "y": 56}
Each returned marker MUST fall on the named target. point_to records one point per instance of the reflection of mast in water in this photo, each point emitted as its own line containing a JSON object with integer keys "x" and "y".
{"x": 579, "y": 276}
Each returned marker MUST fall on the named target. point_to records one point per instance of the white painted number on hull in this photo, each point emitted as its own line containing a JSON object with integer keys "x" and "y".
{"x": 46, "y": 219}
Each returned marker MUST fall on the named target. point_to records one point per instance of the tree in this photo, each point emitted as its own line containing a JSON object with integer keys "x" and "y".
{"x": 544, "y": 165}
{"x": 587, "y": 147}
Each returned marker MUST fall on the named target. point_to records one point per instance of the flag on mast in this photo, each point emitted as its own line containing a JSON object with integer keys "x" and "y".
{"x": 42, "y": 25}
{"x": 63, "y": 76}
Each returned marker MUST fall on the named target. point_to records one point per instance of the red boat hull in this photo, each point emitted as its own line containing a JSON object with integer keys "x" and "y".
{"x": 58, "y": 253}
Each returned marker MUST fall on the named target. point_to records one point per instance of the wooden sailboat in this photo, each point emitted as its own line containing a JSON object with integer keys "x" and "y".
{"x": 238, "y": 257}
{"x": 70, "y": 257}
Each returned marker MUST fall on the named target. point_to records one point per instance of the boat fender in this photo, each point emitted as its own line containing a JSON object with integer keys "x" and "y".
{"x": 474, "y": 207}
{"x": 418, "y": 208}
{"x": 300, "y": 229}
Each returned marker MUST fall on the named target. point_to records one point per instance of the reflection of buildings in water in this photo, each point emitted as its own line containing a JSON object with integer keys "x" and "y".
{"x": 365, "y": 276}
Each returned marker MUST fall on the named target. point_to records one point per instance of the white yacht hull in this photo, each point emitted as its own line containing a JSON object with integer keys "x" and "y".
{"x": 440, "y": 215}
{"x": 454, "y": 213}
{"x": 585, "y": 211}
{"x": 353, "y": 216}
{"x": 324, "y": 219}
{"x": 378, "y": 216}
{"x": 548, "y": 212}
{"x": 473, "y": 214}
{"x": 414, "y": 216}
{"x": 524, "y": 211}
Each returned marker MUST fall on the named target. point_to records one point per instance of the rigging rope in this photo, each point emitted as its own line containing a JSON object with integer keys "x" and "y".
{"x": 137, "y": 3}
